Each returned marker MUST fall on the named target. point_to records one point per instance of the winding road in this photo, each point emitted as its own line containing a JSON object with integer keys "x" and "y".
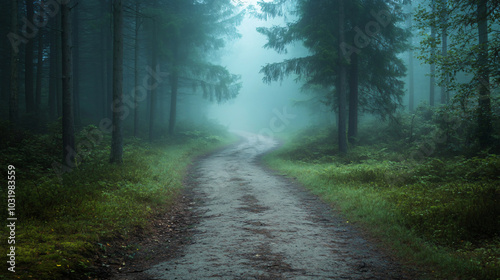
{"x": 254, "y": 224}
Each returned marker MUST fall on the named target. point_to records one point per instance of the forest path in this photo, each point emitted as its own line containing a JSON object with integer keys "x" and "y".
{"x": 254, "y": 224}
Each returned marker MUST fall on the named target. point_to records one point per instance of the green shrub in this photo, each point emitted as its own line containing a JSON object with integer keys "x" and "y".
{"x": 439, "y": 211}
{"x": 450, "y": 213}
{"x": 64, "y": 219}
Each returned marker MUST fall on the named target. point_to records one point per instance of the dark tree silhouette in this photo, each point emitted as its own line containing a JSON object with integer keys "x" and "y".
{"x": 14, "y": 95}
{"x": 69, "y": 154}
{"x": 117, "y": 134}
{"x": 484, "y": 108}
{"x": 28, "y": 60}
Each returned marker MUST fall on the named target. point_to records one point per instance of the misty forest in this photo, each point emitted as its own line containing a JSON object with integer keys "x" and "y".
{"x": 250, "y": 139}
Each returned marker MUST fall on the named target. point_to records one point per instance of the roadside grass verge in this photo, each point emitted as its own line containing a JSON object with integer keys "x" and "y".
{"x": 64, "y": 225}
{"x": 439, "y": 214}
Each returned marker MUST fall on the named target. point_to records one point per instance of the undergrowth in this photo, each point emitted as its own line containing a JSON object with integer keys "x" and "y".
{"x": 65, "y": 221}
{"x": 439, "y": 212}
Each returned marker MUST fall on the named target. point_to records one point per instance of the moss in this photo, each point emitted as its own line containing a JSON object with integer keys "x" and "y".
{"x": 64, "y": 222}
{"x": 440, "y": 213}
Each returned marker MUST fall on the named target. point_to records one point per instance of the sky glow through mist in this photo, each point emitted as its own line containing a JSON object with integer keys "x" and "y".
{"x": 253, "y": 108}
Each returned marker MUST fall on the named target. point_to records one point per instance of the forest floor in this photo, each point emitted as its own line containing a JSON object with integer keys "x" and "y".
{"x": 239, "y": 220}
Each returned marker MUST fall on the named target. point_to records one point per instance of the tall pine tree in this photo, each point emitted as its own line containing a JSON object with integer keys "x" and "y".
{"x": 367, "y": 42}
{"x": 116, "y": 155}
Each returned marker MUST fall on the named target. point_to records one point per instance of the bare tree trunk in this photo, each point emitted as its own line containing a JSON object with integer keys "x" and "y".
{"x": 39, "y": 72}
{"x": 412, "y": 82}
{"x": 76, "y": 66}
{"x": 353, "y": 100}
{"x": 59, "y": 70}
{"x": 117, "y": 135}
{"x": 53, "y": 79}
{"x": 152, "y": 96}
{"x": 444, "y": 52}
{"x": 104, "y": 76}
{"x": 69, "y": 155}
{"x": 13, "y": 97}
{"x": 28, "y": 71}
{"x": 106, "y": 32}
{"x": 174, "y": 85}
{"x": 411, "y": 102}
{"x": 136, "y": 69}
{"x": 484, "y": 108}
{"x": 109, "y": 58}
{"x": 342, "y": 84}
{"x": 433, "y": 65}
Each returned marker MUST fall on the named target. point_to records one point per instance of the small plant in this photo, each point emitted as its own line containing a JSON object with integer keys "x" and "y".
{"x": 440, "y": 211}
{"x": 66, "y": 222}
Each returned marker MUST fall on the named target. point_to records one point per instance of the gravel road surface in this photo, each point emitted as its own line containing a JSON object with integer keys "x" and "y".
{"x": 254, "y": 224}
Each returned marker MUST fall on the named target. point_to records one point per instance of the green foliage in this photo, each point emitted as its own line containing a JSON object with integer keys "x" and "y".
{"x": 437, "y": 131}
{"x": 187, "y": 31}
{"x": 209, "y": 132}
{"x": 441, "y": 212}
{"x": 468, "y": 70}
{"x": 463, "y": 55}
{"x": 67, "y": 220}
{"x": 313, "y": 145}
{"x": 379, "y": 68}
{"x": 450, "y": 213}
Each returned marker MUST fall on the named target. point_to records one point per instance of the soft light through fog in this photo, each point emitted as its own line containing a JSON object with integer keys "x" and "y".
{"x": 253, "y": 109}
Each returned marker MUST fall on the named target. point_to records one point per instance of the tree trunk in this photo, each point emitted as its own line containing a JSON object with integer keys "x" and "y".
{"x": 433, "y": 56}
{"x": 117, "y": 135}
{"x": 106, "y": 81}
{"x": 342, "y": 84}
{"x": 136, "y": 69}
{"x": 353, "y": 100}
{"x": 484, "y": 114}
{"x": 53, "y": 79}
{"x": 173, "y": 102}
{"x": 39, "y": 72}
{"x": 444, "y": 52}
{"x": 411, "y": 77}
{"x": 13, "y": 97}
{"x": 152, "y": 96}
{"x": 76, "y": 67}
{"x": 174, "y": 84}
{"x": 28, "y": 71}
{"x": 69, "y": 155}
{"x": 59, "y": 74}
{"x": 412, "y": 82}
{"x": 104, "y": 76}
{"x": 109, "y": 57}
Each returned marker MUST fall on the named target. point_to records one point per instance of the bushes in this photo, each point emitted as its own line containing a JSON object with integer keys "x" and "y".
{"x": 445, "y": 201}
{"x": 64, "y": 221}
{"x": 445, "y": 208}
{"x": 450, "y": 213}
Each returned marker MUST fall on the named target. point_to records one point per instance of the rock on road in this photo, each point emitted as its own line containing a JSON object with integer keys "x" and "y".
{"x": 257, "y": 225}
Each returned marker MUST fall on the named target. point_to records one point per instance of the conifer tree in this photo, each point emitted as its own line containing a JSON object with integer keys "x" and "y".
{"x": 367, "y": 42}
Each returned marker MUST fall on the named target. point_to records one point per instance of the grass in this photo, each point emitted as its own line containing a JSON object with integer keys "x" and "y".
{"x": 439, "y": 214}
{"x": 63, "y": 225}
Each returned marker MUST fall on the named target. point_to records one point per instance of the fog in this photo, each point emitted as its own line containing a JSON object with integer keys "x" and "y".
{"x": 193, "y": 45}
{"x": 117, "y": 121}
{"x": 256, "y": 105}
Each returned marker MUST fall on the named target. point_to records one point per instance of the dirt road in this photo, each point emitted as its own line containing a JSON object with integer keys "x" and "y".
{"x": 256, "y": 225}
